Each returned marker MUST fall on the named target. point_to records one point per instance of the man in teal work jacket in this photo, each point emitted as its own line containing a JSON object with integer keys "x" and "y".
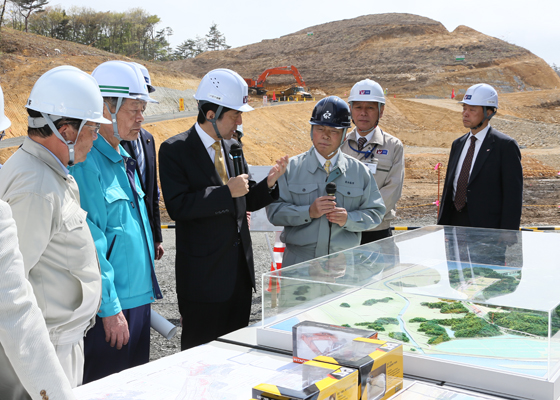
{"x": 112, "y": 196}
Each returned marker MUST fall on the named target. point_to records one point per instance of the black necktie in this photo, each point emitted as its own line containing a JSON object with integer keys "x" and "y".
{"x": 463, "y": 181}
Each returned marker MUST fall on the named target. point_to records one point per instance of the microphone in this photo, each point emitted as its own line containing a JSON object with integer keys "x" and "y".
{"x": 237, "y": 155}
{"x": 331, "y": 189}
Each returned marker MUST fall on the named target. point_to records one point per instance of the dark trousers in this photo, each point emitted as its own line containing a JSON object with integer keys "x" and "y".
{"x": 102, "y": 360}
{"x": 372, "y": 236}
{"x": 204, "y": 322}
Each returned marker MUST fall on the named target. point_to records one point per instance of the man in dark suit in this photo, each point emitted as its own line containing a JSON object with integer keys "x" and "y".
{"x": 214, "y": 262}
{"x": 484, "y": 181}
{"x": 143, "y": 150}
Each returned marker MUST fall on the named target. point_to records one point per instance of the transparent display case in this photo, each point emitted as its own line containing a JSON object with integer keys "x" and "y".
{"x": 474, "y": 307}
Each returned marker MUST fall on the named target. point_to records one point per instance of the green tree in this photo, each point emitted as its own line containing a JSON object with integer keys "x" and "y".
{"x": 215, "y": 40}
{"x": 28, "y": 7}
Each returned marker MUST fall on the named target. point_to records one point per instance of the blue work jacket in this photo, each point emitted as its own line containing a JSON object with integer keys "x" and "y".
{"x": 119, "y": 224}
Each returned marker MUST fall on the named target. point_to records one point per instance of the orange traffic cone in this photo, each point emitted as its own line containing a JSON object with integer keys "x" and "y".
{"x": 278, "y": 253}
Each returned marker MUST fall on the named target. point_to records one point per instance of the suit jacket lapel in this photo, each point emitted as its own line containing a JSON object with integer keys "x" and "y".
{"x": 455, "y": 160}
{"x": 200, "y": 155}
{"x": 483, "y": 153}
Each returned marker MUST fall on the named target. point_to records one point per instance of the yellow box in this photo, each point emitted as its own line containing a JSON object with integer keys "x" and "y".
{"x": 311, "y": 381}
{"x": 380, "y": 364}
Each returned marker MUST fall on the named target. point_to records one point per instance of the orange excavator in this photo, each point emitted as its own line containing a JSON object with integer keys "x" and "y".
{"x": 258, "y": 85}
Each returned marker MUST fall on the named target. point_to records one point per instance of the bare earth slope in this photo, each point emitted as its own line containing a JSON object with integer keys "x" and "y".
{"x": 403, "y": 52}
{"x": 26, "y": 56}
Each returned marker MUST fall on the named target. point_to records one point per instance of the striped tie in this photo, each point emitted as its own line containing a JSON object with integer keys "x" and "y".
{"x": 139, "y": 154}
{"x": 361, "y": 143}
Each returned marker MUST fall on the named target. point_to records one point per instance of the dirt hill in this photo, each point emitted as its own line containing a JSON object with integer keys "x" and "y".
{"x": 26, "y": 56}
{"x": 405, "y": 53}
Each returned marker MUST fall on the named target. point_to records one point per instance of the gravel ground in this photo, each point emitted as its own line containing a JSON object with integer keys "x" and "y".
{"x": 165, "y": 270}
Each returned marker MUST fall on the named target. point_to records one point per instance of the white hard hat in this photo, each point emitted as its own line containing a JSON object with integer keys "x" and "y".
{"x": 146, "y": 75}
{"x": 481, "y": 94}
{"x": 69, "y": 92}
{"x": 367, "y": 90}
{"x": 5, "y": 122}
{"x": 121, "y": 79}
{"x": 225, "y": 88}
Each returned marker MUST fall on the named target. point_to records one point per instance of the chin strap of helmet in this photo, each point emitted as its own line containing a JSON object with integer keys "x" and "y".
{"x": 114, "y": 117}
{"x": 486, "y": 117}
{"x": 213, "y": 120}
{"x": 48, "y": 120}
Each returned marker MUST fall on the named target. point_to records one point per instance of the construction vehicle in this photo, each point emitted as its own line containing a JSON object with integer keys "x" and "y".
{"x": 257, "y": 86}
{"x": 294, "y": 93}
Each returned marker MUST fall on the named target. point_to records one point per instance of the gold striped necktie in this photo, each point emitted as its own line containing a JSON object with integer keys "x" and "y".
{"x": 328, "y": 166}
{"x": 219, "y": 162}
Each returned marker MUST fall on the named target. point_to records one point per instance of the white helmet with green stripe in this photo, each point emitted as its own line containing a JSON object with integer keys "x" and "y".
{"x": 121, "y": 80}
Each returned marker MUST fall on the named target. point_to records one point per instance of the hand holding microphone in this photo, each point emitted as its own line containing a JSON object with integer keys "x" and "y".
{"x": 324, "y": 204}
{"x": 337, "y": 215}
{"x": 238, "y": 185}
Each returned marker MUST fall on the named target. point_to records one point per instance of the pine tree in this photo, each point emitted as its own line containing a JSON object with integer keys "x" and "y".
{"x": 28, "y": 7}
{"x": 215, "y": 40}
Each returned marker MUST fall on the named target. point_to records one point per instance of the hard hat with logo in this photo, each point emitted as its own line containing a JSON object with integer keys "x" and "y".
{"x": 146, "y": 75}
{"x": 367, "y": 90}
{"x": 370, "y": 91}
{"x": 225, "y": 88}
{"x": 331, "y": 111}
{"x": 481, "y": 94}
{"x": 5, "y": 122}
{"x": 122, "y": 80}
{"x": 69, "y": 92}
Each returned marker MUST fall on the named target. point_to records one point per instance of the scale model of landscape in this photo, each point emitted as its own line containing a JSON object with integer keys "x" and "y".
{"x": 442, "y": 326}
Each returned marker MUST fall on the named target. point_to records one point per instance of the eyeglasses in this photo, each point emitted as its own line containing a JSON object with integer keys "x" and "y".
{"x": 94, "y": 127}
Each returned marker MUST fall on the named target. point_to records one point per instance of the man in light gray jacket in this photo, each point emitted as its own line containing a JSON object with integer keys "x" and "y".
{"x": 317, "y": 224}
{"x": 65, "y": 109}
{"x": 382, "y": 153}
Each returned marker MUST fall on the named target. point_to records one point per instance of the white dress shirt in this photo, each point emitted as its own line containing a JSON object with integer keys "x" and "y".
{"x": 480, "y": 136}
{"x": 208, "y": 141}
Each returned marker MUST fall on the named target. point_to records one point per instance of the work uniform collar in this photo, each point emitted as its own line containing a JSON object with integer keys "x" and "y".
{"x": 45, "y": 155}
{"x": 374, "y": 137}
{"x": 108, "y": 151}
{"x": 315, "y": 161}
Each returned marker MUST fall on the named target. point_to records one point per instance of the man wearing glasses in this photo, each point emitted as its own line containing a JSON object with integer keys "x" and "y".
{"x": 65, "y": 110}
{"x": 117, "y": 216}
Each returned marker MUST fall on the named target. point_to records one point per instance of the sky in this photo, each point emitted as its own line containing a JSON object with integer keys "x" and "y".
{"x": 533, "y": 25}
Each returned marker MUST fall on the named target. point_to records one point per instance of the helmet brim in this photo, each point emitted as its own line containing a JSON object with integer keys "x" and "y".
{"x": 245, "y": 108}
{"x": 100, "y": 120}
